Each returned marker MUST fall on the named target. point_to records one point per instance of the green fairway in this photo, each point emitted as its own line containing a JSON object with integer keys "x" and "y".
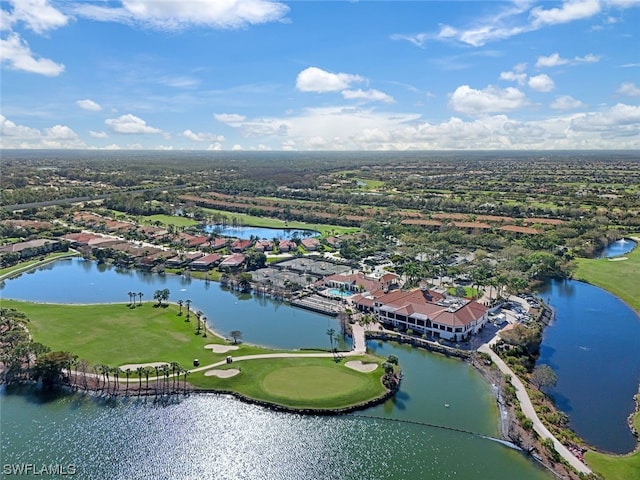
{"x": 615, "y": 467}
{"x": 300, "y": 382}
{"x": 620, "y": 277}
{"x": 115, "y": 334}
{"x": 267, "y": 222}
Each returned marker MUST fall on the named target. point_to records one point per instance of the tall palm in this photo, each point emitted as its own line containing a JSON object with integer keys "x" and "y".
{"x": 140, "y": 371}
{"x": 204, "y": 326}
{"x": 130, "y": 297}
{"x": 188, "y": 303}
{"x": 140, "y": 294}
{"x": 180, "y": 303}
{"x": 127, "y": 373}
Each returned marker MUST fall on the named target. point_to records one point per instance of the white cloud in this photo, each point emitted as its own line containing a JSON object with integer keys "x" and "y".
{"x": 314, "y": 79}
{"x": 589, "y": 58}
{"x": 541, "y": 83}
{"x": 371, "y": 95}
{"x": 555, "y": 60}
{"x": 215, "y": 146}
{"x": 629, "y": 88}
{"x": 179, "y": 14}
{"x": 569, "y": 11}
{"x": 229, "y": 118}
{"x": 18, "y": 56}
{"x": 490, "y": 100}
{"x": 98, "y": 134}
{"x": 620, "y": 119}
{"x": 37, "y": 15}
{"x": 89, "y": 105}
{"x": 130, "y": 124}
{"x": 566, "y": 102}
{"x": 237, "y": 147}
{"x": 20, "y": 136}
{"x": 520, "y": 78}
{"x": 20, "y": 132}
{"x": 202, "y": 137}
{"x": 552, "y": 60}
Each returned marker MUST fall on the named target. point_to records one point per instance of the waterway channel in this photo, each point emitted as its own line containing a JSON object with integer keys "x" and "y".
{"x": 211, "y": 436}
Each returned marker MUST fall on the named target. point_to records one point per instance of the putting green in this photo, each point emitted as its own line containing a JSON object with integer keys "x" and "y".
{"x": 312, "y": 382}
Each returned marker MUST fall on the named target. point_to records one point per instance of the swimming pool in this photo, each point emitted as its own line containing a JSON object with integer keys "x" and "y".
{"x": 337, "y": 293}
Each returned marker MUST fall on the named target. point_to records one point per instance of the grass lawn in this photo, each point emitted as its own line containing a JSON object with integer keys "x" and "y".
{"x": 468, "y": 292}
{"x": 621, "y": 277}
{"x": 267, "y": 222}
{"x": 300, "y": 382}
{"x": 7, "y": 272}
{"x": 615, "y": 467}
{"x": 114, "y": 334}
{"x": 170, "y": 220}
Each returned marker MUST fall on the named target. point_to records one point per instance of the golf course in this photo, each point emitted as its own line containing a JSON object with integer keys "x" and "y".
{"x": 144, "y": 333}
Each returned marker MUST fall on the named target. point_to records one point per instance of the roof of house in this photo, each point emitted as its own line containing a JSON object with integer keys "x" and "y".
{"x": 425, "y": 304}
{"x": 207, "y": 259}
{"x": 233, "y": 260}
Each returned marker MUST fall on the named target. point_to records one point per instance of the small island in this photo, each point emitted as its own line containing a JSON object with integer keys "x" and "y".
{"x": 161, "y": 349}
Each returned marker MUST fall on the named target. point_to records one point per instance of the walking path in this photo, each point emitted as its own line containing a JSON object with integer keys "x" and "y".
{"x": 530, "y": 413}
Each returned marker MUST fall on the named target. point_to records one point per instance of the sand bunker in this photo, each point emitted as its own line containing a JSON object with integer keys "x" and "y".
{"x": 134, "y": 366}
{"x": 361, "y": 367}
{"x": 215, "y": 348}
{"x": 232, "y": 372}
{"x": 618, "y": 259}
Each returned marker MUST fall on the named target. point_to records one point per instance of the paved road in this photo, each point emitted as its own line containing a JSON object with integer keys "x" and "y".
{"x": 529, "y": 412}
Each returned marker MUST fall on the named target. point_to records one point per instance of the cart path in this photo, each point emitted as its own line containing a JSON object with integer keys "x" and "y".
{"x": 527, "y": 408}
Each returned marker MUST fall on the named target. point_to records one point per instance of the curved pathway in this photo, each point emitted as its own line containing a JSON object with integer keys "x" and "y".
{"x": 527, "y": 408}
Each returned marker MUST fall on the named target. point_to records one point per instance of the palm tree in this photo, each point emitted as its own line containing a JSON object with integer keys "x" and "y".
{"x": 180, "y": 303}
{"x": 140, "y": 294}
{"x": 204, "y": 326}
{"x": 131, "y": 294}
{"x": 127, "y": 373}
{"x": 330, "y": 333}
{"x": 140, "y": 371}
{"x": 188, "y": 303}
{"x": 198, "y": 315}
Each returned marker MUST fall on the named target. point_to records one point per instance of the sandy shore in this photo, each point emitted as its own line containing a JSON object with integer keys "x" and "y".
{"x": 216, "y": 348}
{"x": 232, "y": 372}
{"x": 361, "y": 367}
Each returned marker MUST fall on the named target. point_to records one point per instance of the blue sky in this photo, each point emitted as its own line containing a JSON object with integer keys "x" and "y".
{"x": 320, "y": 75}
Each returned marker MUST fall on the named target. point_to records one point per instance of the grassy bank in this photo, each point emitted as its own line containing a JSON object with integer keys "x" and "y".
{"x": 22, "y": 266}
{"x": 170, "y": 220}
{"x": 620, "y": 277}
{"x": 300, "y": 382}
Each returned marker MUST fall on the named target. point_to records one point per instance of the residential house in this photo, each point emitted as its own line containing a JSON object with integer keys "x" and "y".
{"x": 232, "y": 262}
{"x": 206, "y": 262}
{"x": 311, "y": 244}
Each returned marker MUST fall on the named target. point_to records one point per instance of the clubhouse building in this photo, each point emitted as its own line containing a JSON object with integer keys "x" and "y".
{"x": 428, "y": 312}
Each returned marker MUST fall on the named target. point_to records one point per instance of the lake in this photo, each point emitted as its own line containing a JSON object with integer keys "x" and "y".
{"x": 617, "y": 248}
{"x": 260, "y": 232}
{"x": 212, "y": 436}
{"x": 592, "y": 346}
